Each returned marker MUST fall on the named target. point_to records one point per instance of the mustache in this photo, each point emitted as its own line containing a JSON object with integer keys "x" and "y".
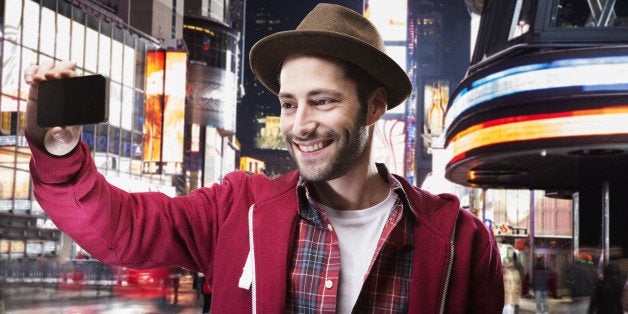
{"x": 289, "y": 137}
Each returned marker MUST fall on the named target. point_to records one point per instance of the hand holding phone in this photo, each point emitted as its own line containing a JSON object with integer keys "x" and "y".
{"x": 73, "y": 101}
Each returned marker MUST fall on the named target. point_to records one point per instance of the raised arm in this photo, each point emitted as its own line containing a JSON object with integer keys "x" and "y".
{"x": 141, "y": 230}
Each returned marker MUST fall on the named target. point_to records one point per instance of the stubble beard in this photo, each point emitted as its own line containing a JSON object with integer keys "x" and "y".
{"x": 348, "y": 153}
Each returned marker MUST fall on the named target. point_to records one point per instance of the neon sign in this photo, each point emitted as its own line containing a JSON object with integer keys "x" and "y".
{"x": 589, "y": 74}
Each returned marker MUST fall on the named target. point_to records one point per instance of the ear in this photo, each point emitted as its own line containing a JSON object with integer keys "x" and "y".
{"x": 378, "y": 104}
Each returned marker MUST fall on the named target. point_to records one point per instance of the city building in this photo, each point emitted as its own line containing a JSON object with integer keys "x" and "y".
{"x": 97, "y": 42}
{"x": 175, "y": 82}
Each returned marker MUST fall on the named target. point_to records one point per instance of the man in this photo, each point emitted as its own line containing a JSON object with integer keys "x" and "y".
{"x": 512, "y": 287}
{"x": 339, "y": 235}
{"x": 541, "y": 286}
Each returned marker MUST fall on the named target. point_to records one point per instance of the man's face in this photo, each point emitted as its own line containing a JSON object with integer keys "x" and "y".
{"x": 322, "y": 121}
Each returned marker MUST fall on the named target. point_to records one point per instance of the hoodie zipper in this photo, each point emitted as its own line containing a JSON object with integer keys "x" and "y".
{"x": 253, "y": 290}
{"x": 247, "y": 280}
{"x": 450, "y": 266}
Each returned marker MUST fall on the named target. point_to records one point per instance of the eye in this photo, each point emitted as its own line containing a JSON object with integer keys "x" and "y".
{"x": 287, "y": 105}
{"x": 324, "y": 101}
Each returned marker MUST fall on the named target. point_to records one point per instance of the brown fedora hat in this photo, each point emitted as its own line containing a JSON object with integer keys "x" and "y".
{"x": 335, "y": 31}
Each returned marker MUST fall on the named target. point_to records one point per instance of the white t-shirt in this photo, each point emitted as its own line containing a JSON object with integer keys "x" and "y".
{"x": 358, "y": 232}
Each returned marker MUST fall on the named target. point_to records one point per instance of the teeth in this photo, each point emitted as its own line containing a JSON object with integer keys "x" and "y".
{"x": 312, "y": 148}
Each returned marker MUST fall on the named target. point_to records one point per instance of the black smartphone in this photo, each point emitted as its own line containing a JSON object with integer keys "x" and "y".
{"x": 73, "y": 101}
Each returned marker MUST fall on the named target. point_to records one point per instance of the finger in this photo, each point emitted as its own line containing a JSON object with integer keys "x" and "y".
{"x": 29, "y": 72}
{"x": 39, "y": 75}
{"x": 66, "y": 65}
{"x": 65, "y": 134}
{"x": 62, "y": 69}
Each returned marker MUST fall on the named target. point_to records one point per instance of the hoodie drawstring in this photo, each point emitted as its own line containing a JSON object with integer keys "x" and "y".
{"x": 247, "y": 280}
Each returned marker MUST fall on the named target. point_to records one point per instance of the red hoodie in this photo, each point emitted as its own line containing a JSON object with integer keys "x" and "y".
{"x": 456, "y": 264}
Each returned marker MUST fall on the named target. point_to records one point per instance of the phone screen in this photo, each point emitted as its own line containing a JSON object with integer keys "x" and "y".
{"x": 73, "y": 101}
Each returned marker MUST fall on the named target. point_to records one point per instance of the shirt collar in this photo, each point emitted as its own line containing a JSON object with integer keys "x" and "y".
{"x": 310, "y": 210}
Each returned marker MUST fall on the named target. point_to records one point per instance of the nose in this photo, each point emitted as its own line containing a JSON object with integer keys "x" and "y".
{"x": 304, "y": 122}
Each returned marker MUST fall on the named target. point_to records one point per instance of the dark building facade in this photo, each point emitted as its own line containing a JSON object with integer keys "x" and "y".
{"x": 439, "y": 52}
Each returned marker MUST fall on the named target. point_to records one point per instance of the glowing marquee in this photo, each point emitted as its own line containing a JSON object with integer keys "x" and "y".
{"x": 590, "y": 122}
{"x": 590, "y": 74}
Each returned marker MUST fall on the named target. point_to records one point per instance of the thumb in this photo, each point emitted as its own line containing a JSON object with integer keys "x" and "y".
{"x": 60, "y": 141}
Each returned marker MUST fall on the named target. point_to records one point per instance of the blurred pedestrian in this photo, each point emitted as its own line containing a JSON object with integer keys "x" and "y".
{"x": 581, "y": 278}
{"x": 540, "y": 286}
{"x": 174, "y": 277}
{"x": 196, "y": 284}
{"x": 512, "y": 288}
{"x": 207, "y": 295}
{"x": 517, "y": 265}
{"x": 606, "y": 298}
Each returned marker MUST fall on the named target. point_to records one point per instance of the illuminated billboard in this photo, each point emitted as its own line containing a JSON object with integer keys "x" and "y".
{"x": 608, "y": 121}
{"x": 585, "y": 75}
{"x": 389, "y": 142}
{"x": 212, "y": 97}
{"x": 390, "y": 18}
{"x": 165, "y": 111}
{"x": 251, "y": 165}
{"x": 435, "y": 98}
{"x": 174, "y": 111}
{"x": 154, "y": 93}
{"x": 269, "y": 134}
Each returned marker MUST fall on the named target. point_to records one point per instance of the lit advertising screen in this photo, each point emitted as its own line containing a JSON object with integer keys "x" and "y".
{"x": 174, "y": 111}
{"x": 212, "y": 97}
{"x": 389, "y": 143}
{"x": 435, "y": 98}
{"x": 165, "y": 88}
{"x": 154, "y": 91}
{"x": 390, "y": 18}
{"x": 269, "y": 134}
{"x": 540, "y": 79}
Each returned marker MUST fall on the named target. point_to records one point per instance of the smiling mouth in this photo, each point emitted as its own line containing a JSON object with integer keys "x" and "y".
{"x": 312, "y": 148}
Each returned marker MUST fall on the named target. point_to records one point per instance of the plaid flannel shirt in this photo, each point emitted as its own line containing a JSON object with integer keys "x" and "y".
{"x": 315, "y": 269}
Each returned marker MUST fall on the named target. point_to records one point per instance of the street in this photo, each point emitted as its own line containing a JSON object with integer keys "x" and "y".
{"x": 84, "y": 301}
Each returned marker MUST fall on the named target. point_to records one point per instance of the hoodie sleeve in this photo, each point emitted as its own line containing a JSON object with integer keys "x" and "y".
{"x": 139, "y": 230}
{"x": 486, "y": 286}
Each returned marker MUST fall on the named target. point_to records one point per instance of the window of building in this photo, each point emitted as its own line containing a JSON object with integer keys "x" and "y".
{"x": 12, "y": 27}
{"x": 63, "y": 37}
{"x": 77, "y": 49}
{"x": 117, "y": 53}
{"x": 47, "y": 32}
{"x": 115, "y": 103}
{"x": 91, "y": 49}
{"x": 31, "y": 29}
{"x": 104, "y": 50}
{"x": 592, "y": 13}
